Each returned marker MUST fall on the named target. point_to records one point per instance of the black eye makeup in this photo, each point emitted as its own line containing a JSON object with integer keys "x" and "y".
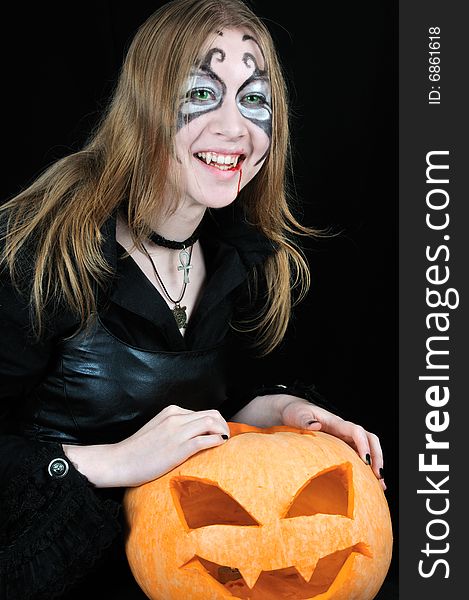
{"x": 254, "y": 102}
{"x": 205, "y": 91}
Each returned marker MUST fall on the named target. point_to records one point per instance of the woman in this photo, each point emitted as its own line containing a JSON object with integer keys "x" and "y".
{"x": 136, "y": 275}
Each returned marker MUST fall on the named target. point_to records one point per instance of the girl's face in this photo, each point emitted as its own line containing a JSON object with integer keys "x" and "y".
{"x": 224, "y": 120}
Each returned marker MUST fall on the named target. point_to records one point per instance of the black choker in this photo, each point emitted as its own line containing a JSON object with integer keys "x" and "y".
{"x": 159, "y": 240}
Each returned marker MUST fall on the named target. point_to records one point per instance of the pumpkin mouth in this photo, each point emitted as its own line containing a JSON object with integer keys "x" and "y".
{"x": 283, "y": 583}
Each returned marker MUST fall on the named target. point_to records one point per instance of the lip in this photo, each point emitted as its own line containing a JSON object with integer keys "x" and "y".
{"x": 224, "y": 151}
{"x": 215, "y": 171}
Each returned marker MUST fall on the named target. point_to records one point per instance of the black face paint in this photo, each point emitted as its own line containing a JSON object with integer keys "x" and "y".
{"x": 205, "y": 91}
{"x": 252, "y": 39}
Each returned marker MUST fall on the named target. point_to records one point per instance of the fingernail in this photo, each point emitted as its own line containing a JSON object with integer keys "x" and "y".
{"x": 381, "y": 473}
{"x": 224, "y": 436}
{"x": 368, "y": 459}
{"x": 311, "y": 422}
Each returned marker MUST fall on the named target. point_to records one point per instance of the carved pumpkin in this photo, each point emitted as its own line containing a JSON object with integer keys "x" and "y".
{"x": 271, "y": 514}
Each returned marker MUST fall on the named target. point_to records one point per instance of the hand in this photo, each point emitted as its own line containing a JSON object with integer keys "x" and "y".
{"x": 166, "y": 441}
{"x": 304, "y": 415}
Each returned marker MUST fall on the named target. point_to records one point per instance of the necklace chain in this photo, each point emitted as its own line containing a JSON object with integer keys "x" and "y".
{"x": 179, "y": 312}
{"x": 158, "y": 277}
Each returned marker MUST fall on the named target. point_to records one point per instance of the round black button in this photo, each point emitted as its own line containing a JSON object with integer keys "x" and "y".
{"x": 58, "y": 467}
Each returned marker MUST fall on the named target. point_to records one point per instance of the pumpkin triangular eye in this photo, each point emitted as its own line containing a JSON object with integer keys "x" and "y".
{"x": 329, "y": 492}
{"x": 201, "y": 503}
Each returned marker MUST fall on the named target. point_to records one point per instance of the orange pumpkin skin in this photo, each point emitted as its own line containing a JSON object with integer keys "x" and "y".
{"x": 288, "y": 515}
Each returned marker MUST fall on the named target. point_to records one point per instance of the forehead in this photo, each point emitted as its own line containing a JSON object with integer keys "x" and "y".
{"x": 239, "y": 46}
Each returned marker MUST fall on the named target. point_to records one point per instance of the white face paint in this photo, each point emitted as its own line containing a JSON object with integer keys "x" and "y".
{"x": 206, "y": 91}
{"x": 254, "y": 102}
{"x": 224, "y": 120}
{"x": 203, "y": 93}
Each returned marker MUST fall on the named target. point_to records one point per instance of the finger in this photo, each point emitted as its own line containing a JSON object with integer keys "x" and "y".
{"x": 376, "y": 455}
{"x": 324, "y": 417}
{"x": 354, "y": 435}
{"x": 203, "y": 442}
{"x": 313, "y": 425}
{"x": 169, "y": 411}
{"x": 361, "y": 443}
{"x": 366, "y": 444}
{"x": 204, "y": 424}
{"x": 301, "y": 414}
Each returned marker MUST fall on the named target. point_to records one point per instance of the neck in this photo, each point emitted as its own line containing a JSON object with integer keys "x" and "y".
{"x": 180, "y": 224}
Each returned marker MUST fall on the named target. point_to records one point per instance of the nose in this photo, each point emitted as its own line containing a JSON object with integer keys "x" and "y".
{"x": 228, "y": 122}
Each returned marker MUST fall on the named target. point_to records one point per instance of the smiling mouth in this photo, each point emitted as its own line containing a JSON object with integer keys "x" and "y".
{"x": 223, "y": 162}
{"x": 284, "y": 583}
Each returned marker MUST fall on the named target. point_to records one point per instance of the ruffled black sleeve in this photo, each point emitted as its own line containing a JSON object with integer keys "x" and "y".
{"x": 53, "y": 526}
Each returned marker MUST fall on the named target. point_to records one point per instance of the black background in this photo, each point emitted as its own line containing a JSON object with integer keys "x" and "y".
{"x": 340, "y": 61}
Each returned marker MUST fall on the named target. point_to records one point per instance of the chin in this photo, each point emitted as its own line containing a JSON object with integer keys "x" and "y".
{"x": 213, "y": 195}
{"x": 217, "y": 201}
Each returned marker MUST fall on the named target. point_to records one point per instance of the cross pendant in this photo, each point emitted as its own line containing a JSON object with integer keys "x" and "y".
{"x": 184, "y": 259}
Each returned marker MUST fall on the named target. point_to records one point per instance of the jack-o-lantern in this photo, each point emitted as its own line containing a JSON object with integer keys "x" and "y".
{"x": 288, "y": 515}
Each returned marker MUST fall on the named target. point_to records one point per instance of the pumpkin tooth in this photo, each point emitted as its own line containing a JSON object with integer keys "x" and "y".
{"x": 250, "y": 575}
{"x": 305, "y": 570}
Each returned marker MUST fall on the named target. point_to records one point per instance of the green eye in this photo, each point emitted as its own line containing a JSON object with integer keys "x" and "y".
{"x": 201, "y": 95}
{"x": 254, "y": 99}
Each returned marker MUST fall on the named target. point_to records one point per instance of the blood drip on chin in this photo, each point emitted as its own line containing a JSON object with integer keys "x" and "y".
{"x": 239, "y": 180}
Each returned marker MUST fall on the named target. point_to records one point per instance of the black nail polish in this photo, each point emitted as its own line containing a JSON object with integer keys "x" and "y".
{"x": 368, "y": 459}
{"x": 381, "y": 473}
{"x": 224, "y": 436}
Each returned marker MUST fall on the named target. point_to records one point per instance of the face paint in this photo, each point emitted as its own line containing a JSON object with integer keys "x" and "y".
{"x": 254, "y": 102}
{"x": 224, "y": 121}
{"x": 205, "y": 91}
{"x": 254, "y": 97}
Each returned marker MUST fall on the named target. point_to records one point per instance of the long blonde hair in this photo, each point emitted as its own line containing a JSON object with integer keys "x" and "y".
{"x": 61, "y": 214}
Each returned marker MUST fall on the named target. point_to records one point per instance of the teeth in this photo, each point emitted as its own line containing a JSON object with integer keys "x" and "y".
{"x": 250, "y": 575}
{"x": 306, "y": 571}
{"x": 220, "y": 160}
